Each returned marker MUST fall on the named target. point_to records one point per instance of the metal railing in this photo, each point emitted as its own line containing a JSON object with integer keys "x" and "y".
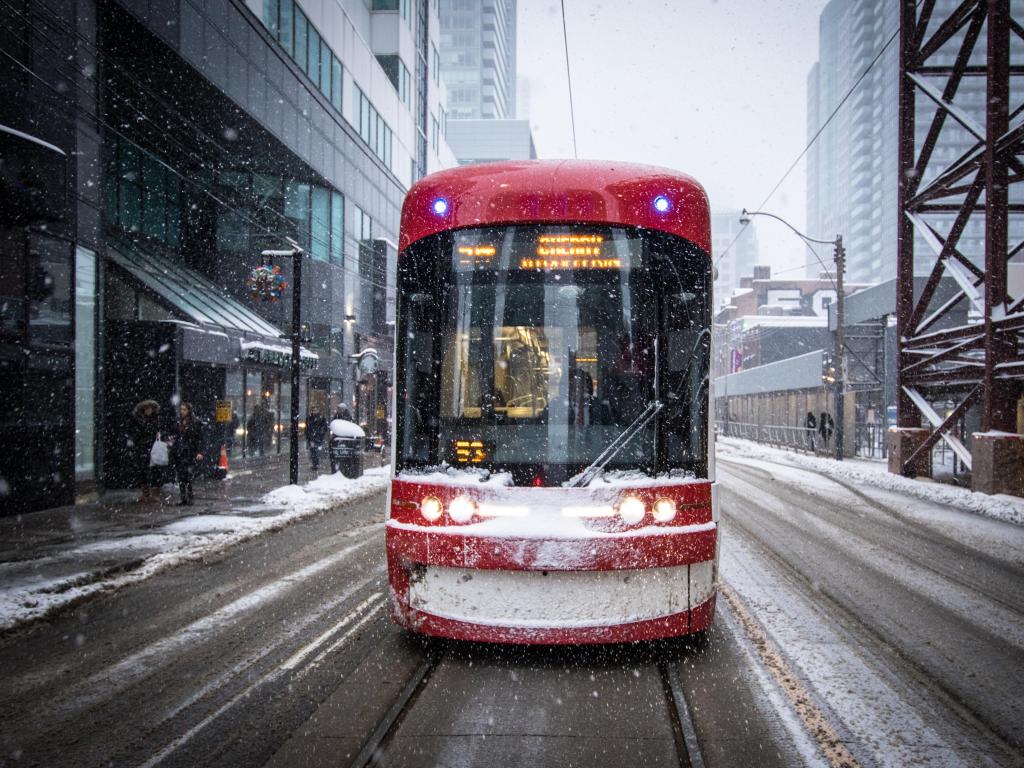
{"x": 869, "y": 439}
{"x": 799, "y": 439}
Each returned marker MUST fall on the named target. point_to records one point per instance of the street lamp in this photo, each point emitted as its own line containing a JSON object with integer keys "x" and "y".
{"x": 839, "y": 254}
{"x": 295, "y": 253}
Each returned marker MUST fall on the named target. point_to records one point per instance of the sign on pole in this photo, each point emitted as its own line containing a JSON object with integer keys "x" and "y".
{"x": 223, "y": 411}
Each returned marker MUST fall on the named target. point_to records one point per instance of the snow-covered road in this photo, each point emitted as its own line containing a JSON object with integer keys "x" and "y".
{"x": 896, "y": 616}
{"x": 902, "y": 615}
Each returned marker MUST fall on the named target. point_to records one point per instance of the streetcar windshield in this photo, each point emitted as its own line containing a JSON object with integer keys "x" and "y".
{"x": 530, "y": 349}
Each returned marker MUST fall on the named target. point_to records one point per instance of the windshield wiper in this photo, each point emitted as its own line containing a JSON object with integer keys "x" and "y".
{"x": 583, "y": 478}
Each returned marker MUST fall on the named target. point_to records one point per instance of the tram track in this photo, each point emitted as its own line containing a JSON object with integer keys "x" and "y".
{"x": 374, "y": 752}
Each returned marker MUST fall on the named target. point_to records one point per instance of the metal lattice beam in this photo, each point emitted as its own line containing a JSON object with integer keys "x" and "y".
{"x": 977, "y": 364}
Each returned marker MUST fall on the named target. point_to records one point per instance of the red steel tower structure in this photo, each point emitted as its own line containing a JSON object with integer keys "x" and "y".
{"x": 977, "y": 364}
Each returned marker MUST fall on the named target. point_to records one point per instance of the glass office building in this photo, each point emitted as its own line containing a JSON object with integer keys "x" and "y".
{"x": 179, "y": 140}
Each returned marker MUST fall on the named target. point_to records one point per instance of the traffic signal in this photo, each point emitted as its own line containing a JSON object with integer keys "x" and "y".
{"x": 828, "y": 369}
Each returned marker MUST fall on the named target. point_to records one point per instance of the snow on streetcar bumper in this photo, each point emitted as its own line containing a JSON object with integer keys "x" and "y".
{"x": 523, "y": 580}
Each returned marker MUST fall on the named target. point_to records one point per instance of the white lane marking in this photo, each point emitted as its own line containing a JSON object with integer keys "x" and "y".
{"x": 296, "y": 658}
{"x": 142, "y": 663}
{"x": 341, "y": 640}
{"x": 290, "y": 632}
{"x": 270, "y": 677}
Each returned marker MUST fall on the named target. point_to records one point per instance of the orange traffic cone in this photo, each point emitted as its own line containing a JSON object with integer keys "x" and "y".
{"x": 222, "y": 462}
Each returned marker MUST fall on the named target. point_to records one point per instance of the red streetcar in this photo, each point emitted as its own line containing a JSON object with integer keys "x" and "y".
{"x": 553, "y": 458}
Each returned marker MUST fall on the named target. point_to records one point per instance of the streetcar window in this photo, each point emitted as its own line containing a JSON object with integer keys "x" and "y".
{"x": 546, "y": 343}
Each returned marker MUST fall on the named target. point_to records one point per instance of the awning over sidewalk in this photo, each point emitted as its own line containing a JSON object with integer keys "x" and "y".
{"x": 190, "y": 293}
{"x": 213, "y": 326}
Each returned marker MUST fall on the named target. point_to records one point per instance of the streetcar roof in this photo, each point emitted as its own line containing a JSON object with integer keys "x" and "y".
{"x": 557, "y": 191}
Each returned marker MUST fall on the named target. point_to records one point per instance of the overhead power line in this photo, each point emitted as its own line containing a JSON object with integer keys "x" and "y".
{"x": 815, "y": 137}
{"x": 568, "y": 77}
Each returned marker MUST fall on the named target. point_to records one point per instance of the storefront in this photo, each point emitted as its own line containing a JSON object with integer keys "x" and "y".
{"x": 173, "y": 336}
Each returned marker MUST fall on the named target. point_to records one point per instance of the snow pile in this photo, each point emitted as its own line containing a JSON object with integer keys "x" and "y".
{"x": 469, "y": 476}
{"x": 327, "y": 491}
{"x": 999, "y": 506}
{"x": 634, "y": 478}
{"x": 137, "y": 557}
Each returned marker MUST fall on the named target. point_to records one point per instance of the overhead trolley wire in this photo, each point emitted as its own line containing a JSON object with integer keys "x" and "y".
{"x": 814, "y": 139}
{"x": 568, "y": 77}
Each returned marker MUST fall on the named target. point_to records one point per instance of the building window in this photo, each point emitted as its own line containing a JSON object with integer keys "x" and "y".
{"x": 313, "y": 59}
{"x": 48, "y": 288}
{"x": 435, "y": 62}
{"x": 301, "y": 36}
{"x": 86, "y": 299}
{"x": 321, "y": 224}
{"x": 143, "y": 195}
{"x": 434, "y": 131}
{"x": 337, "y": 228}
{"x": 372, "y": 128}
{"x": 286, "y": 27}
{"x": 336, "y": 81}
{"x": 307, "y": 47}
{"x": 271, "y": 11}
{"x": 296, "y": 209}
{"x": 325, "y": 68}
{"x": 384, "y": 5}
{"x": 399, "y": 76}
{"x": 405, "y": 89}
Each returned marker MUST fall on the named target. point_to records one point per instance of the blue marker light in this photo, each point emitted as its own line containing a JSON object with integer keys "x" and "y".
{"x": 662, "y": 204}
{"x": 440, "y": 206}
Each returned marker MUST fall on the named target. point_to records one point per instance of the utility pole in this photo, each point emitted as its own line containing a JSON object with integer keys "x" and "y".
{"x": 840, "y": 358}
{"x": 295, "y": 253}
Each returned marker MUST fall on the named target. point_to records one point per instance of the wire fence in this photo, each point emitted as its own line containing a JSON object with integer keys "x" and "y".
{"x": 869, "y": 439}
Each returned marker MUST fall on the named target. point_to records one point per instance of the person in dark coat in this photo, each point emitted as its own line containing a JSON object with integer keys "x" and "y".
{"x": 811, "y": 425}
{"x": 825, "y": 427}
{"x": 187, "y": 450}
{"x": 317, "y": 430}
{"x": 143, "y": 431}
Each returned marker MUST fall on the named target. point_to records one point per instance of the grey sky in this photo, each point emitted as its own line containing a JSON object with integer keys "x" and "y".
{"x": 715, "y": 89}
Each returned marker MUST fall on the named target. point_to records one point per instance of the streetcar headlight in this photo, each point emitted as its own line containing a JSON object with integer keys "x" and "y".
{"x": 431, "y": 508}
{"x": 440, "y": 206}
{"x": 461, "y": 510}
{"x": 664, "y": 510}
{"x": 631, "y": 509}
{"x": 662, "y": 204}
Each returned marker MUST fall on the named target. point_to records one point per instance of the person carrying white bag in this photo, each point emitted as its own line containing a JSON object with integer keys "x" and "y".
{"x": 159, "y": 458}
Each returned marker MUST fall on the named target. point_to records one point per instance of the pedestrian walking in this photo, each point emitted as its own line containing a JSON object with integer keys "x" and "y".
{"x": 187, "y": 450}
{"x": 825, "y": 427}
{"x": 811, "y": 425}
{"x": 317, "y": 430}
{"x": 342, "y": 412}
{"x": 143, "y": 432}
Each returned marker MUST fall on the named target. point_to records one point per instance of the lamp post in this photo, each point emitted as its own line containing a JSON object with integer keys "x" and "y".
{"x": 295, "y": 253}
{"x": 839, "y": 254}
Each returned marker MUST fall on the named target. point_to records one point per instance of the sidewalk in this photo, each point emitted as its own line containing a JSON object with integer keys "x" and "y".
{"x": 54, "y": 558}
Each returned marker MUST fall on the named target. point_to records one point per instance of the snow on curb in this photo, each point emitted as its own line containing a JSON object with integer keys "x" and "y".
{"x": 186, "y": 540}
{"x": 1002, "y": 507}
